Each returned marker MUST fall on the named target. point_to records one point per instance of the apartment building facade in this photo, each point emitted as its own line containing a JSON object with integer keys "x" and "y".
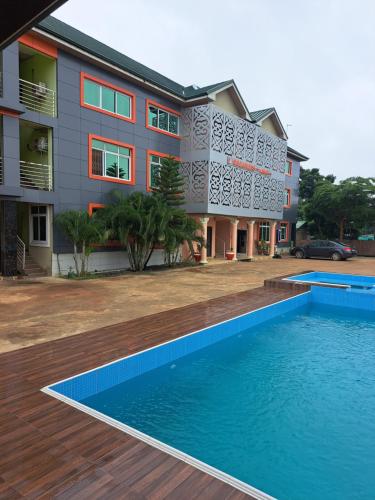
{"x": 78, "y": 119}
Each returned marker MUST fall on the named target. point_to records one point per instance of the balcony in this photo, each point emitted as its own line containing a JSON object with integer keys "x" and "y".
{"x": 38, "y": 97}
{"x": 231, "y": 166}
{"x": 36, "y": 165}
{"x": 36, "y": 176}
{"x": 37, "y": 81}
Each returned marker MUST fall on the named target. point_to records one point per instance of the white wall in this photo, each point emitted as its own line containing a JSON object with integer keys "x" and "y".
{"x": 100, "y": 261}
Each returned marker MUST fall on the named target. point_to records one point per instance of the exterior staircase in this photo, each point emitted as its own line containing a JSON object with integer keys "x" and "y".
{"x": 32, "y": 269}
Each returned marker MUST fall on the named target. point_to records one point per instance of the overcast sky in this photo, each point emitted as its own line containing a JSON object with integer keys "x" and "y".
{"x": 314, "y": 61}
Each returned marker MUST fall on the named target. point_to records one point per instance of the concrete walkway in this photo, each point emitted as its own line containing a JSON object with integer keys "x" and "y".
{"x": 35, "y": 312}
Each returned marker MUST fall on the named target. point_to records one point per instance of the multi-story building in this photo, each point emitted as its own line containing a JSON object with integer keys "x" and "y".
{"x": 78, "y": 119}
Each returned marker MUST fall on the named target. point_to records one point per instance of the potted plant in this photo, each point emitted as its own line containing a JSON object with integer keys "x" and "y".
{"x": 197, "y": 256}
{"x": 229, "y": 255}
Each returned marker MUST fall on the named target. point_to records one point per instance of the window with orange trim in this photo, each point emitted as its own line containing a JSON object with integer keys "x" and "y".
{"x": 287, "y": 198}
{"x": 102, "y": 96}
{"x": 284, "y": 231}
{"x": 162, "y": 119}
{"x": 111, "y": 161}
{"x": 94, "y": 207}
{"x": 288, "y": 167}
{"x": 154, "y": 161}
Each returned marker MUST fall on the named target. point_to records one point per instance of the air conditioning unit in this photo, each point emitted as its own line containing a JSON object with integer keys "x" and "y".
{"x": 40, "y": 89}
{"x": 41, "y": 144}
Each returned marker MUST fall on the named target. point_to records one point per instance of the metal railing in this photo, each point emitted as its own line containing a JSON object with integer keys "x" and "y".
{"x": 38, "y": 97}
{"x": 21, "y": 254}
{"x": 36, "y": 176}
{"x": 1, "y": 170}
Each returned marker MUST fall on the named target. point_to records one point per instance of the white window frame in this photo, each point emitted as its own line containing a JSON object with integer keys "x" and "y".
{"x": 153, "y": 163}
{"x": 287, "y": 198}
{"x": 39, "y": 243}
{"x": 262, "y": 225}
{"x": 118, "y": 154}
{"x": 169, "y": 114}
{"x": 284, "y": 226}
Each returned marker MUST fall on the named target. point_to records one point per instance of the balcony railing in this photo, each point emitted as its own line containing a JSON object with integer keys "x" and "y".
{"x": 36, "y": 176}
{"x": 37, "y": 97}
{"x": 1, "y": 170}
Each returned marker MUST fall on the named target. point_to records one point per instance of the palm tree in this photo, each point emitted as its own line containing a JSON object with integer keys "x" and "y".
{"x": 139, "y": 221}
{"x": 180, "y": 229}
{"x": 82, "y": 230}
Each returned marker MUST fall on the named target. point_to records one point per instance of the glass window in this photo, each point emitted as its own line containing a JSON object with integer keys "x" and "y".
{"x": 286, "y": 197}
{"x": 288, "y": 167}
{"x": 92, "y": 93}
{"x": 123, "y": 105}
{"x": 110, "y": 160}
{"x": 153, "y": 116}
{"x": 155, "y": 164}
{"x": 283, "y": 231}
{"x": 163, "y": 120}
{"x": 106, "y": 98}
{"x": 173, "y": 124}
{"x": 264, "y": 231}
{"x": 39, "y": 224}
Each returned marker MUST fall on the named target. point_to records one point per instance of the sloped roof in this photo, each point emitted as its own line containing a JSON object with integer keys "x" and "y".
{"x": 259, "y": 115}
{"x": 295, "y": 154}
{"x": 191, "y": 91}
{"x": 71, "y": 35}
{"x": 89, "y": 44}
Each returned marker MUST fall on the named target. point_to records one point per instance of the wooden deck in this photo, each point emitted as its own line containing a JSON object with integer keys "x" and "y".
{"x": 51, "y": 450}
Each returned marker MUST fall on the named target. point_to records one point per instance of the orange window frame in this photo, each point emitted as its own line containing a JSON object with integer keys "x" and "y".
{"x": 149, "y": 153}
{"x": 131, "y": 182}
{"x": 287, "y": 230}
{"x": 103, "y": 83}
{"x": 93, "y": 206}
{"x": 290, "y": 173}
{"x": 288, "y": 205}
{"x": 149, "y": 102}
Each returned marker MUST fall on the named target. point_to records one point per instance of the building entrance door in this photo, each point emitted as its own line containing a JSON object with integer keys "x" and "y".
{"x": 209, "y": 241}
{"x": 241, "y": 241}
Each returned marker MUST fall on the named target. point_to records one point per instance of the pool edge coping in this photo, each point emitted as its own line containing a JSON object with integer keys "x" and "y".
{"x": 202, "y": 466}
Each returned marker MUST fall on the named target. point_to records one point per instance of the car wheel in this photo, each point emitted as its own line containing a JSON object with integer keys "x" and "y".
{"x": 299, "y": 254}
{"x": 336, "y": 256}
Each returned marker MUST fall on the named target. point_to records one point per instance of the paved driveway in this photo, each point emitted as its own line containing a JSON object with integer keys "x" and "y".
{"x": 31, "y": 313}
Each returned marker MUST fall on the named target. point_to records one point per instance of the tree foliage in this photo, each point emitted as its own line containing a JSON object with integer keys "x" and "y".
{"x": 139, "y": 222}
{"x": 82, "y": 231}
{"x": 169, "y": 183}
{"x": 332, "y": 208}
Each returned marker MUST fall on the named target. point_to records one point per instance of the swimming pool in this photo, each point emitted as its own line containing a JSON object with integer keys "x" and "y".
{"x": 349, "y": 280}
{"x": 281, "y": 398}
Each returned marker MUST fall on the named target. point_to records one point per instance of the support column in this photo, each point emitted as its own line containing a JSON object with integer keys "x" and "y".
{"x": 273, "y": 224}
{"x": 233, "y": 236}
{"x": 250, "y": 239}
{"x": 8, "y": 237}
{"x": 204, "y": 221}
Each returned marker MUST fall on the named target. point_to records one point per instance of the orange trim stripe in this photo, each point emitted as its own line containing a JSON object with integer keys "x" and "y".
{"x": 86, "y": 76}
{"x": 39, "y": 45}
{"x": 150, "y": 152}
{"x": 13, "y": 114}
{"x": 131, "y": 182}
{"x": 149, "y": 102}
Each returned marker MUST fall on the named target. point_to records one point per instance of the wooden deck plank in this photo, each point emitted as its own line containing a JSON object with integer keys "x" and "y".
{"x": 51, "y": 450}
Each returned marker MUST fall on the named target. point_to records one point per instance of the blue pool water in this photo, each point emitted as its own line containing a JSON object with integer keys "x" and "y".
{"x": 287, "y": 406}
{"x": 355, "y": 281}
